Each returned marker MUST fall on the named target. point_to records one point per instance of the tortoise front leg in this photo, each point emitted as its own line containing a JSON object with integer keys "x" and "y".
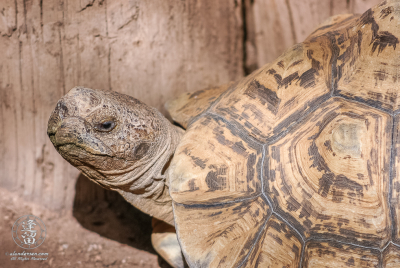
{"x": 165, "y": 242}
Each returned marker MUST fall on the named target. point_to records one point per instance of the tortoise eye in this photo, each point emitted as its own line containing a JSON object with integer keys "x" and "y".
{"x": 105, "y": 126}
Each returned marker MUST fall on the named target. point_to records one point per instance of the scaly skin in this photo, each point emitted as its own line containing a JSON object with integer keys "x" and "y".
{"x": 119, "y": 143}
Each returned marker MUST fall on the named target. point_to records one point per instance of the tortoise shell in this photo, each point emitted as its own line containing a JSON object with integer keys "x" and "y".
{"x": 297, "y": 164}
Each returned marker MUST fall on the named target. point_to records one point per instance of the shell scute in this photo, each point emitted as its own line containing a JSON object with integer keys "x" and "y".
{"x": 366, "y": 63}
{"x": 329, "y": 177}
{"x": 224, "y": 234}
{"x": 391, "y": 256}
{"x": 270, "y": 100}
{"x": 215, "y": 163}
{"x": 332, "y": 254}
{"x": 279, "y": 246}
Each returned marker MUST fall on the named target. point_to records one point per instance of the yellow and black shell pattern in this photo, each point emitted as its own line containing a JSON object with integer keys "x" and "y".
{"x": 298, "y": 164}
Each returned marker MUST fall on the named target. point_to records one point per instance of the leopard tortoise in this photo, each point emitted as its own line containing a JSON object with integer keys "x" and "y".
{"x": 295, "y": 165}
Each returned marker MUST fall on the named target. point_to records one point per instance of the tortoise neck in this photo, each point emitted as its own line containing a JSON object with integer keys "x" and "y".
{"x": 172, "y": 139}
{"x": 148, "y": 190}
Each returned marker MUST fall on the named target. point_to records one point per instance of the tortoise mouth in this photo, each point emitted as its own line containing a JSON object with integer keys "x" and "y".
{"x": 76, "y": 154}
{"x": 79, "y": 156}
{"x": 78, "y": 150}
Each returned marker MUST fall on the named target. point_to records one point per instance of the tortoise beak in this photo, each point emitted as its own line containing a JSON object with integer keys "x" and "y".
{"x": 54, "y": 123}
{"x": 74, "y": 131}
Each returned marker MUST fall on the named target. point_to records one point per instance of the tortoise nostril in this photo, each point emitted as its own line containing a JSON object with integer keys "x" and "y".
{"x": 62, "y": 109}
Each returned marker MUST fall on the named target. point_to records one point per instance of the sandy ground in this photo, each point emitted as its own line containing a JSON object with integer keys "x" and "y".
{"x": 102, "y": 235}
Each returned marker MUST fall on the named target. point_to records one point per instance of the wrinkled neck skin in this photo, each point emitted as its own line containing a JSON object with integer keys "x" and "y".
{"x": 146, "y": 187}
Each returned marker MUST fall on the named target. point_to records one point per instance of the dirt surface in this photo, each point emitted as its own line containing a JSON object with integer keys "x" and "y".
{"x": 107, "y": 234}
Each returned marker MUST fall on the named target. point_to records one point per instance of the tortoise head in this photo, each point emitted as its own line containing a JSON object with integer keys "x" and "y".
{"x": 111, "y": 137}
